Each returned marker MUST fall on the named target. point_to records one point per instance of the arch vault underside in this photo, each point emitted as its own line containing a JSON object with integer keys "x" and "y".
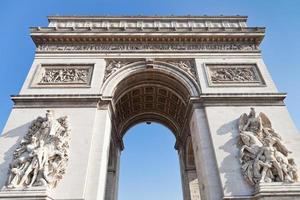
{"x": 94, "y": 77}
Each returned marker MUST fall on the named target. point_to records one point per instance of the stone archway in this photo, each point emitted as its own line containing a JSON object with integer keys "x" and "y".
{"x": 153, "y": 92}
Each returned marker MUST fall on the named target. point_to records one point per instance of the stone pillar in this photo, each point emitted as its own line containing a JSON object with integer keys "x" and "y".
{"x": 189, "y": 178}
{"x": 193, "y": 184}
{"x": 112, "y": 179}
{"x": 207, "y": 170}
{"x": 98, "y": 159}
{"x": 184, "y": 177}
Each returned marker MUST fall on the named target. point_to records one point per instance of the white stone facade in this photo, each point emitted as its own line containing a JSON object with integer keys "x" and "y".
{"x": 194, "y": 74}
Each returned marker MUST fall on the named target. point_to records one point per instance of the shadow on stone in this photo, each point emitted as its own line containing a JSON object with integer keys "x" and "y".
{"x": 17, "y": 133}
{"x": 234, "y": 181}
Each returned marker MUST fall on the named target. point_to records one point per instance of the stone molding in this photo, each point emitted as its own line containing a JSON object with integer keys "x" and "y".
{"x": 277, "y": 191}
{"x": 239, "y": 99}
{"x": 56, "y": 101}
{"x": 92, "y": 100}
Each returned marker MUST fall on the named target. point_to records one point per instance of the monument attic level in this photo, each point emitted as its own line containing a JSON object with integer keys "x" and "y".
{"x": 147, "y": 29}
{"x": 94, "y": 77}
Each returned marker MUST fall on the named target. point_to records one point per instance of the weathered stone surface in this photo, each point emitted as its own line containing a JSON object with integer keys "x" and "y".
{"x": 193, "y": 74}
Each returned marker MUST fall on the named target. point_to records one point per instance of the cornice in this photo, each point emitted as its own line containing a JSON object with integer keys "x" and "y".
{"x": 239, "y": 99}
{"x": 55, "y": 101}
{"x": 85, "y": 35}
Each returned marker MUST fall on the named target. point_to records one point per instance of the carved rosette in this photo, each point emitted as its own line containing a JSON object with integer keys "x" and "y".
{"x": 263, "y": 156}
{"x": 43, "y": 153}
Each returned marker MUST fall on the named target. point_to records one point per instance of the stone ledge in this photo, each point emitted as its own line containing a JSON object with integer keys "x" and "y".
{"x": 32, "y": 101}
{"x": 240, "y": 99}
{"x": 36, "y": 193}
{"x": 277, "y": 191}
{"x": 93, "y": 100}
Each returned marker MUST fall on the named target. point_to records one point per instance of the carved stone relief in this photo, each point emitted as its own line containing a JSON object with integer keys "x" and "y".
{"x": 42, "y": 156}
{"x": 113, "y": 65}
{"x": 144, "y": 47}
{"x": 186, "y": 65}
{"x": 228, "y": 74}
{"x": 75, "y": 75}
{"x": 263, "y": 155}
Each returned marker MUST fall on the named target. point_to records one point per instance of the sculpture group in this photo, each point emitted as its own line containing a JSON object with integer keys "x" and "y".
{"x": 42, "y": 156}
{"x": 263, "y": 156}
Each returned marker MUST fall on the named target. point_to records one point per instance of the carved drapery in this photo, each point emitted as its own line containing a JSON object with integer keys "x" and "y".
{"x": 263, "y": 156}
{"x": 42, "y": 155}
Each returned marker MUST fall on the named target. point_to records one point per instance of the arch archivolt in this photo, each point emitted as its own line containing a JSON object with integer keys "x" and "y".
{"x": 181, "y": 70}
{"x": 146, "y": 90}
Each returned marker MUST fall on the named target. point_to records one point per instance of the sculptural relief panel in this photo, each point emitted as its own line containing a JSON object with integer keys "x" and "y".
{"x": 233, "y": 74}
{"x": 63, "y": 75}
{"x": 42, "y": 155}
{"x": 264, "y": 157}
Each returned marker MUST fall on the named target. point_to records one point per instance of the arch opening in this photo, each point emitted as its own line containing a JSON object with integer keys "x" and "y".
{"x": 149, "y": 165}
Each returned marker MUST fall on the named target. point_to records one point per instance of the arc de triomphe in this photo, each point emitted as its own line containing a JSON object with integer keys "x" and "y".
{"x": 203, "y": 77}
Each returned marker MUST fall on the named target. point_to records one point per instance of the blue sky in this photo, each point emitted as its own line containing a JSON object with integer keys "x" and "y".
{"x": 280, "y": 48}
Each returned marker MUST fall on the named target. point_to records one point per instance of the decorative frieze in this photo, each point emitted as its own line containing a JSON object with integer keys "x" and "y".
{"x": 136, "y": 47}
{"x": 75, "y": 75}
{"x": 263, "y": 155}
{"x": 233, "y": 74}
{"x": 146, "y": 23}
{"x": 43, "y": 153}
